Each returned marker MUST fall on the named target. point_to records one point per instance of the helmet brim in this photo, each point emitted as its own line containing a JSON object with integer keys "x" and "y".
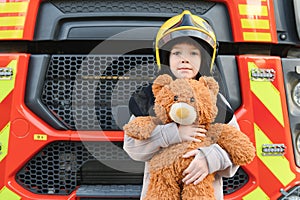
{"x": 184, "y": 33}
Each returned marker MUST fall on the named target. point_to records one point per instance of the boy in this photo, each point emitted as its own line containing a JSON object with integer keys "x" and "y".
{"x": 185, "y": 48}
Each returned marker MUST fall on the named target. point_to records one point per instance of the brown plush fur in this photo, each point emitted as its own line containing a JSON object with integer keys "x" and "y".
{"x": 166, "y": 167}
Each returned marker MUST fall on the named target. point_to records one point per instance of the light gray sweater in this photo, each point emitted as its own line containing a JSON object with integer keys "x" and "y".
{"x": 164, "y": 135}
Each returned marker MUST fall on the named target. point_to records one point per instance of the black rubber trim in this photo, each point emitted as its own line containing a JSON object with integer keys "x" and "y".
{"x": 35, "y": 80}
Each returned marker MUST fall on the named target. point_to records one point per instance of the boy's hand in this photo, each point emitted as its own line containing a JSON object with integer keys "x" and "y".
{"x": 197, "y": 170}
{"x": 190, "y": 132}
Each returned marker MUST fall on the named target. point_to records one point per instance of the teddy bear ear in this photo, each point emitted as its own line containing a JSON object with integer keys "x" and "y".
{"x": 160, "y": 82}
{"x": 211, "y": 83}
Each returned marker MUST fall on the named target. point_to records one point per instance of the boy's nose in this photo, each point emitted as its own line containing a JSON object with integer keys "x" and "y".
{"x": 184, "y": 61}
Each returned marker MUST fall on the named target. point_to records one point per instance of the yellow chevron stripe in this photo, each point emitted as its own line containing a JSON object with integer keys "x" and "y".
{"x": 7, "y": 86}
{"x": 257, "y": 36}
{"x": 257, "y": 10}
{"x": 258, "y": 193}
{"x": 278, "y": 165}
{"x": 4, "y": 34}
{"x": 4, "y": 136}
{"x": 13, "y": 7}
{"x": 255, "y": 23}
{"x": 12, "y": 21}
{"x": 6, "y": 193}
{"x": 265, "y": 91}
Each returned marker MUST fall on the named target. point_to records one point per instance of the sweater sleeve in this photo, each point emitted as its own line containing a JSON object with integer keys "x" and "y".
{"x": 143, "y": 150}
{"x": 218, "y": 159}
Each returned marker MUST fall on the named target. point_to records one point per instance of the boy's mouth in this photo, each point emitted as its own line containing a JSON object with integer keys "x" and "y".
{"x": 184, "y": 68}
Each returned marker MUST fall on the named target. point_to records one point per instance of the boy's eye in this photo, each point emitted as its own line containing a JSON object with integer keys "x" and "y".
{"x": 195, "y": 53}
{"x": 175, "y": 98}
{"x": 176, "y": 53}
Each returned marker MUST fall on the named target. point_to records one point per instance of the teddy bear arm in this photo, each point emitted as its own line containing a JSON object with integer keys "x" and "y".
{"x": 140, "y": 128}
{"x": 237, "y": 145}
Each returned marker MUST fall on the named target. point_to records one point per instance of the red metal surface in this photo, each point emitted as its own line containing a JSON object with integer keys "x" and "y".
{"x": 235, "y": 18}
{"x": 22, "y": 146}
{"x": 254, "y": 111}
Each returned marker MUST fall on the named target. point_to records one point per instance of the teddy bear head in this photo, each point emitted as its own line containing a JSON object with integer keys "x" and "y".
{"x": 185, "y": 101}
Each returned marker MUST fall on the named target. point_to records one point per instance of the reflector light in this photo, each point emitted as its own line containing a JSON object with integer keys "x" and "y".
{"x": 262, "y": 74}
{"x": 6, "y": 73}
{"x": 273, "y": 149}
{"x": 296, "y": 94}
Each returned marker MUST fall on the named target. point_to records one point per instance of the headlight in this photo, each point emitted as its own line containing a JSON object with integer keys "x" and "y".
{"x": 293, "y": 198}
{"x": 296, "y": 94}
{"x": 298, "y": 143}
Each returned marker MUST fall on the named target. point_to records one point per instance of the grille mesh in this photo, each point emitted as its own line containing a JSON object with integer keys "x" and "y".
{"x": 141, "y": 6}
{"x": 54, "y": 169}
{"x": 86, "y": 92}
{"x": 232, "y": 184}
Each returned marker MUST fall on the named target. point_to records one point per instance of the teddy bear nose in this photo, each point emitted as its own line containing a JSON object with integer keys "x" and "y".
{"x": 183, "y": 113}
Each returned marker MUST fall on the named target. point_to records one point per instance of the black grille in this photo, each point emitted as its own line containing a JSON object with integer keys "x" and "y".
{"x": 56, "y": 169}
{"x": 141, "y": 6}
{"x": 87, "y": 92}
{"x": 232, "y": 184}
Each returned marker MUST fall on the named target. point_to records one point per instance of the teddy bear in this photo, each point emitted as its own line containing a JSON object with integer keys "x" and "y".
{"x": 186, "y": 101}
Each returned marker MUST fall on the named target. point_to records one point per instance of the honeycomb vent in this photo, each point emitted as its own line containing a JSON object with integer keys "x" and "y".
{"x": 88, "y": 92}
{"x": 232, "y": 184}
{"x": 56, "y": 168}
{"x": 141, "y": 6}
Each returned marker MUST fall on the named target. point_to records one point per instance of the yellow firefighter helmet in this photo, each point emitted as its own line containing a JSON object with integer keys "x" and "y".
{"x": 182, "y": 25}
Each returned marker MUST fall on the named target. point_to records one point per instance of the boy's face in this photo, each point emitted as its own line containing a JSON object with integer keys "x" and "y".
{"x": 185, "y": 60}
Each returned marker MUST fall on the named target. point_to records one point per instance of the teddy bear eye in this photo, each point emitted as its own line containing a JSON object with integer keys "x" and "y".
{"x": 192, "y": 99}
{"x": 175, "y": 98}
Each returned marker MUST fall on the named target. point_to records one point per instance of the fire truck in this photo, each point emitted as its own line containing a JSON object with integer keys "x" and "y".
{"x": 68, "y": 68}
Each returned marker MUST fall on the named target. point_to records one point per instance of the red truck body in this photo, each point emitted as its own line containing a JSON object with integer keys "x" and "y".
{"x": 45, "y": 157}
